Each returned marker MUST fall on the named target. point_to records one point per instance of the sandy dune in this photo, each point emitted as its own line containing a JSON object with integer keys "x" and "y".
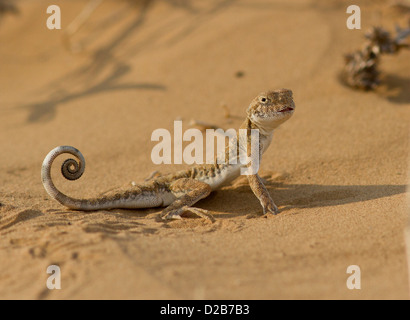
{"x": 338, "y": 169}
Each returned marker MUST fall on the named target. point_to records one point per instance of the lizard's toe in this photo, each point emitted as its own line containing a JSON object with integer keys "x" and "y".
{"x": 177, "y": 214}
{"x": 270, "y": 208}
{"x": 171, "y": 215}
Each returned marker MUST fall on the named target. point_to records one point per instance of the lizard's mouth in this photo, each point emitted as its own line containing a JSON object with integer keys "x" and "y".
{"x": 288, "y": 109}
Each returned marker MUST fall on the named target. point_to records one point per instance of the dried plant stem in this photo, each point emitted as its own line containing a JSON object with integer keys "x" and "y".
{"x": 361, "y": 67}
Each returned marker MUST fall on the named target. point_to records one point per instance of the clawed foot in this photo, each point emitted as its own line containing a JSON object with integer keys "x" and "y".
{"x": 177, "y": 214}
{"x": 153, "y": 175}
{"x": 270, "y": 208}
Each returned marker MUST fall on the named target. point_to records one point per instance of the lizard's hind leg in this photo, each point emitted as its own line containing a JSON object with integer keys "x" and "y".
{"x": 188, "y": 192}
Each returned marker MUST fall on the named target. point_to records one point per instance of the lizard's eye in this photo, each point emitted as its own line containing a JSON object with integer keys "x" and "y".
{"x": 263, "y": 99}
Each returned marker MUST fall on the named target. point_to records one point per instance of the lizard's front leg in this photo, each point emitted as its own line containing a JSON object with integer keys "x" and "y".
{"x": 188, "y": 192}
{"x": 262, "y": 194}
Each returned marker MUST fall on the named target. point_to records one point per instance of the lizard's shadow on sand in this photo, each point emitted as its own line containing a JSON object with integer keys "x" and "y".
{"x": 236, "y": 200}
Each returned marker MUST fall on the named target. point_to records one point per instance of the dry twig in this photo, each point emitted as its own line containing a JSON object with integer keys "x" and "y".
{"x": 361, "y": 67}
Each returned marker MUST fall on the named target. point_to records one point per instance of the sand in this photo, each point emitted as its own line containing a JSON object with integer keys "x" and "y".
{"x": 338, "y": 169}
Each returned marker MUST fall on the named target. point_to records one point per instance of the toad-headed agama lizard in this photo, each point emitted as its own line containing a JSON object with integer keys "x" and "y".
{"x": 179, "y": 191}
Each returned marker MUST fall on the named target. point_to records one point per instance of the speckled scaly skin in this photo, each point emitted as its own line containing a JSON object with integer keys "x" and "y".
{"x": 179, "y": 191}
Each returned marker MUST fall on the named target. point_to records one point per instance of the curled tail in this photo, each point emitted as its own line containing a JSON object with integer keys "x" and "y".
{"x": 139, "y": 197}
{"x": 71, "y": 170}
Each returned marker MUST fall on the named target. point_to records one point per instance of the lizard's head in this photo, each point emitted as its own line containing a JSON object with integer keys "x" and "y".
{"x": 270, "y": 109}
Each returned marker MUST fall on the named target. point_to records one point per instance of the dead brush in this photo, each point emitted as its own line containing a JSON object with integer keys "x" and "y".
{"x": 361, "y": 70}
